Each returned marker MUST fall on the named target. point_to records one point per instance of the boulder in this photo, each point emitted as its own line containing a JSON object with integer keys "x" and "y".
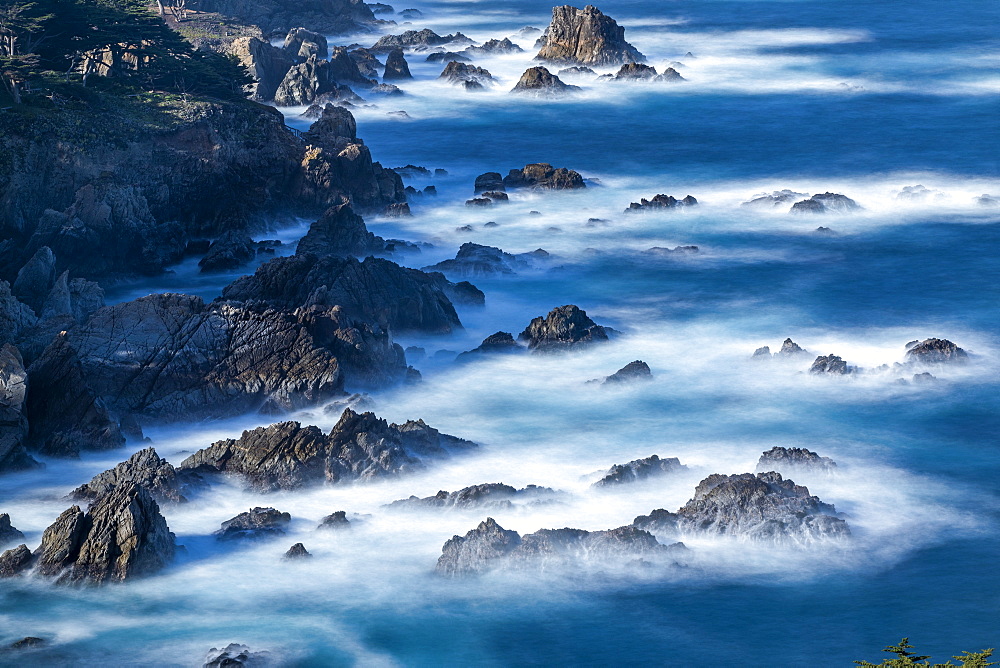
{"x": 255, "y": 524}
{"x": 232, "y": 250}
{"x": 335, "y": 521}
{"x": 792, "y": 459}
{"x": 791, "y": 349}
{"x": 302, "y": 43}
{"x": 13, "y": 420}
{"x": 826, "y": 202}
{"x": 395, "y": 297}
{"x": 493, "y": 496}
{"x": 640, "y": 469}
{"x": 147, "y": 469}
{"x": 297, "y": 551}
{"x": 490, "y": 181}
{"x": 368, "y": 64}
{"x": 539, "y": 82}
{"x": 122, "y": 536}
{"x": 396, "y": 68}
{"x": 474, "y": 260}
{"x": 8, "y": 534}
{"x": 660, "y": 203}
{"x": 586, "y": 37}
{"x": 936, "y": 351}
{"x": 670, "y": 75}
{"x": 564, "y": 327}
{"x": 633, "y": 371}
{"x": 543, "y": 176}
{"x": 15, "y": 561}
{"x": 460, "y": 73}
{"x": 362, "y": 446}
{"x": 635, "y": 72}
{"x": 499, "y": 343}
{"x": 830, "y": 364}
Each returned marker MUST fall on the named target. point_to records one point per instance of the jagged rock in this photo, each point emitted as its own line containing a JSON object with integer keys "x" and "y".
{"x": 396, "y": 68}
{"x": 411, "y": 14}
{"x": 478, "y": 201}
{"x": 447, "y": 56}
{"x": 778, "y": 198}
{"x": 77, "y": 298}
{"x": 936, "y": 351}
{"x": 35, "y": 278}
{"x": 335, "y": 521}
{"x": 635, "y": 72}
{"x": 458, "y": 73}
{"x": 235, "y": 655}
{"x": 302, "y": 43}
{"x": 830, "y": 364}
{"x": 340, "y": 232}
{"x": 825, "y": 202}
{"x": 368, "y": 64}
{"x": 667, "y": 252}
{"x": 564, "y": 327}
{"x": 362, "y": 446}
{"x": 417, "y": 38}
{"x": 172, "y": 356}
{"x": 790, "y": 459}
{"x": 15, "y": 561}
{"x": 332, "y": 124}
{"x": 304, "y": 82}
{"x": 640, "y": 469}
{"x": 762, "y": 507}
{"x": 15, "y": 317}
{"x": 397, "y": 210}
{"x": 165, "y": 483}
{"x": 633, "y": 371}
{"x": 8, "y": 533}
{"x": 762, "y": 353}
{"x": 670, "y": 75}
{"x": 254, "y": 524}
{"x": 586, "y": 37}
{"x": 493, "y": 47}
{"x": 493, "y": 496}
{"x": 489, "y": 546}
{"x": 381, "y": 8}
{"x": 499, "y": 343}
{"x": 790, "y": 349}
{"x": 122, "y": 535}
{"x": 297, "y": 551}
{"x": 230, "y": 251}
{"x": 267, "y": 64}
{"x": 539, "y": 82}
{"x": 661, "y": 202}
{"x": 13, "y": 421}
{"x": 65, "y": 414}
{"x": 578, "y": 71}
{"x": 389, "y": 90}
{"x": 397, "y": 298}
{"x": 543, "y": 176}
{"x": 328, "y": 17}
{"x": 490, "y": 181}
{"x": 527, "y": 31}
{"x": 477, "y": 260}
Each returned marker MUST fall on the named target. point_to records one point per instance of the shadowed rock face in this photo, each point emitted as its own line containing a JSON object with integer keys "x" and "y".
{"x": 543, "y": 176}
{"x": 460, "y": 73}
{"x": 498, "y": 343}
{"x": 417, "y": 38}
{"x": 762, "y": 507}
{"x": 395, "y": 297}
{"x": 147, "y": 469}
{"x": 826, "y": 202}
{"x": 302, "y": 43}
{"x": 266, "y": 64}
{"x": 396, "y": 68}
{"x": 335, "y": 521}
{"x": 13, "y": 422}
{"x": 661, "y": 202}
{"x": 362, "y": 446}
{"x": 783, "y": 459}
{"x": 586, "y": 37}
{"x": 829, "y": 364}
{"x": 540, "y": 82}
{"x": 633, "y": 371}
{"x": 640, "y": 469}
{"x": 340, "y": 232}
{"x": 15, "y": 561}
{"x": 255, "y": 524}
{"x": 330, "y": 17}
{"x": 122, "y": 535}
{"x": 230, "y": 251}
{"x": 474, "y": 260}
{"x": 494, "y": 495}
{"x": 8, "y": 533}
{"x": 489, "y": 547}
{"x": 564, "y": 327}
{"x": 297, "y": 551}
{"x": 936, "y": 351}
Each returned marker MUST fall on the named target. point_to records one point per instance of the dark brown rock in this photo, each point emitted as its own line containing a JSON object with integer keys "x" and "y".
{"x": 586, "y": 37}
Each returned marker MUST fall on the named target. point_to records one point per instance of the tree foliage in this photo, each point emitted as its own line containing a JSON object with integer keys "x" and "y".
{"x": 905, "y": 658}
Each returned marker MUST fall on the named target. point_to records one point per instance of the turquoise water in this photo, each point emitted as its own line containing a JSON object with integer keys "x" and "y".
{"x": 762, "y": 110}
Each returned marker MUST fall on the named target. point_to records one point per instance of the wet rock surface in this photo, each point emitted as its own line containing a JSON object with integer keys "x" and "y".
{"x": 255, "y": 524}
{"x": 499, "y": 343}
{"x": 640, "y": 469}
{"x": 297, "y": 551}
{"x": 586, "y": 37}
{"x": 538, "y": 81}
{"x": 826, "y": 203}
{"x": 630, "y": 373}
{"x": 335, "y": 521}
{"x": 147, "y": 469}
{"x": 785, "y": 459}
{"x": 564, "y": 327}
{"x": 661, "y": 202}
{"x": 463, "y": 73}
{"x": 362, "y": 446}
{"x": 830, "y": 364}
{"x": 936, "y": 351}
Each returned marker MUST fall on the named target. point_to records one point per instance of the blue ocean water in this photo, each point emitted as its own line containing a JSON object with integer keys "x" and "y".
{"x": 762, "y": 110}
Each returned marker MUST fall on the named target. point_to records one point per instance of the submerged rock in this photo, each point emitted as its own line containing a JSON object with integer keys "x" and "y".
{"x": 235, "y": 655}
{"x": 255, "y": 524}
{"x": 8, "y": 533}
{"x": 936, "y": 351}
{"x": 493, "y": 47}
{"x": 297, "y": 551}
{"x": 830, "y": 364}
{"x": 417, "y": 39}
{"x": 122, "y": 536}
{"x": 761, "y": 507}
{"x": 335, "y": 521}
{"x": 475, "y": 260}
{"x": 784, "y": 459}
{"x": 543, "y": 176}
{"x": 586, "y": 37}
{"x": 826, "y": 202}
{"x": 660, "y": 202}
{"x": 165, "y": 483}
{"x": 362, "y": 446}
{"x": 539, "y": 82}
{"x": 490, "y": 495}
{"x": 460, "y": 73}
{"x": 564, "y": 327}
{"x": 640, "y": 469}
{"x": 777, "y": 199}
{"x": 633, "y": 371}
{"x": 498, "y": 343}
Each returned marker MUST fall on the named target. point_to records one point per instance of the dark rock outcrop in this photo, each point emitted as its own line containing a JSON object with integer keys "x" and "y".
{"x": 396, "y": 68}
{"x": 790, "y": 459}
{"x": 490, "y": 181}
{"x": 777, "y": 199}
{"x": 15, "y": 561}
{"x": 586, "y": 37}
{"x": 394, "y": 297}
{"x": 335, "y": 521}
{"x": 539, "y": 82}
{"x": 122, "y": 535}
{"x": 255, "y": 524}
{"x": 13, "y": 421}
{"x": 461, "y": 73}
{"x": 477, "y": 551}
{"x": 15, "y": 316}
{"x": 474, "y": 260}
{"x": 340, "y": 232}
{"x": 235, "y": 655}
{"x": 329, "y": 17}
{"x": 306, "y": 81}
{"x": 640, "y": 469}
{"x": 266, "y": 64}
{"x": 447, "y": 57}
{"x": 230, "y": 251}
{"x": 493, "y": 47}
{"x": 789, "y": 349}
{"x": 362, "y": 446}
{"x": 543, "y": 176}
{"x": 830, "y": 364}
{"x": 367, "y": 63}
{"x": 826, "y": 202}
{"x": 762, "y": 507}
{"x": 302, "y": 43}
{"x": 661, "y": 202}
{"x": 493, "y": 496}
{"x": 35, "y": 278}
{"x": 499, "y": 343}
{"x": 416, "y": 39}
{"x": 631, "y": 372}
{"x": 936, "y": 351}
{"x": 297, "y": 551}
{"x": 147, "y": 469}
{"x": 564, "y": 327}
{"x": 8, "y": 533}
